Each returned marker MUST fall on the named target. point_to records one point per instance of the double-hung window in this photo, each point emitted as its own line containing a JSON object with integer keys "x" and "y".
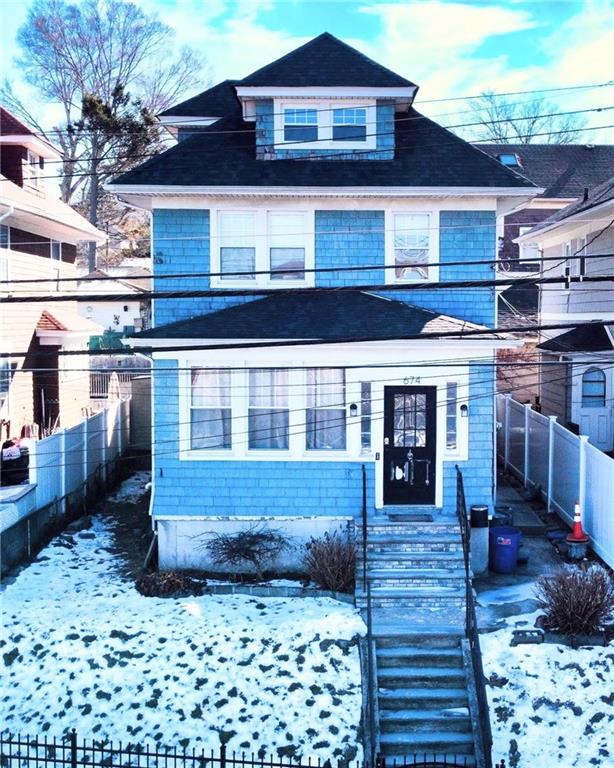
{"x": 350, "y": 124}
{"x": 266, "y": 248}
{"x": 325, "y": 413}
{"x": 300, "y": 124}
{"x": 210, "y": 409}
{"x": 268, "y": 409}
{"x": 528, "y": 253}
{"x": 237, "y": 235}
{"x": 55, "y": 250}
{"x": 411, "y": 246}
{"x": 287, "y": 245}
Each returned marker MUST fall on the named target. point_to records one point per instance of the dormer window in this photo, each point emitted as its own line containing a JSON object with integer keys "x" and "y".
{"x": 350, "y": 124}
{"x": 300, "y": 124}
{"x": 510, "y": 160}
{"x": 32, "y": 169}
{"x": 325, "y": 124}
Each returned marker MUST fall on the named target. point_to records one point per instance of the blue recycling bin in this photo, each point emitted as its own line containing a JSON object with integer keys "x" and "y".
{"x": 504, "y": 543}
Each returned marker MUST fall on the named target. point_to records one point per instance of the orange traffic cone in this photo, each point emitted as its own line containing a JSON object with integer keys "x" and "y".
{"x": 577, "y": 533}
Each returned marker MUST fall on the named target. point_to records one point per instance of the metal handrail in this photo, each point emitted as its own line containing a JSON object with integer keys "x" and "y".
{"x": 471, "y": 627}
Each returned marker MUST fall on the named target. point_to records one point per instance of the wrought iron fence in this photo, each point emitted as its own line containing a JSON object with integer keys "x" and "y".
{"x": 71, "y": 752}
{"x": 471, "y": 628}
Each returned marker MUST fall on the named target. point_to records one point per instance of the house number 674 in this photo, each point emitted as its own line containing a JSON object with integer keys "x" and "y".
{"x": 411, "y": 380}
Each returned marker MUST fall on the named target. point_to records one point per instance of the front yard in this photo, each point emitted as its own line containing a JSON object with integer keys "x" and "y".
{"x": 82, "y": 648}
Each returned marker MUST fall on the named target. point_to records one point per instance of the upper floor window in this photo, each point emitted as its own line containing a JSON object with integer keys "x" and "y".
{"x": 5, "y": 236}
{"x": 300, "y": 124}
{"x": 325, "y": 124}
{"x": 510, "y": 159}
{"x": 55, "y": 250}
{"x": 528, "y": 253}
{"x": 32, "y": 169}
{"x": 266, "y": 248}
{"x": 593, "y": 388}
{"x": 411, "y": 247}
{"x": 350, "y": 124}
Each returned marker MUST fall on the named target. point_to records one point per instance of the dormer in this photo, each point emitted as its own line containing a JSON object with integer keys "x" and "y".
{"x": 322, "y": 100}
{"x": 23, "y": 153}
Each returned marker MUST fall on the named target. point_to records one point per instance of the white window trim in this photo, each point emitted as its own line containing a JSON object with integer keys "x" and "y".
{"x": 523, "y": 246}
{"x": 31, "y": 169}
{"x": 262, "y": 244}
{"x": 433, "y": 257}
{"x": 461, "y": 452}
{"x": 324, "y": 109}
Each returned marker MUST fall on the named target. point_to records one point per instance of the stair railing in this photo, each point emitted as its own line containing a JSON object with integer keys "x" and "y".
{"x": 372, "y": 714}
{"x": 471, "y": 627}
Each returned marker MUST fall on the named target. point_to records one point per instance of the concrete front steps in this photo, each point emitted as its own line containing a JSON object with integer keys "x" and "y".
{"x": 422, "y": 695}
{"x": 412, "y": 565}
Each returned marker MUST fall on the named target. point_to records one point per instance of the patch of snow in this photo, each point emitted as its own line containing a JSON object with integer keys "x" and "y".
{"x": 81, "y": 647}
{"x": 132, "y": 489}
{"x": 549, "y": 704}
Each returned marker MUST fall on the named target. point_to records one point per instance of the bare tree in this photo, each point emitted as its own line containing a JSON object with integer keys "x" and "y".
{"x": 111, "y": 67}
{"x": 509, "y": 122}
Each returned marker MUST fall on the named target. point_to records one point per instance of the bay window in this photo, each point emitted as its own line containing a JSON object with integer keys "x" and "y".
{"x": 325, "y": 412}
{"x": 210, "y": 409}
{"x": 268, "y": 413}
{"x": 266, "y": 248}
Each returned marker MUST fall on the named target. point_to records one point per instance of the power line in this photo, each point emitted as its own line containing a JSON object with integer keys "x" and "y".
{"x": 289, "y": 145}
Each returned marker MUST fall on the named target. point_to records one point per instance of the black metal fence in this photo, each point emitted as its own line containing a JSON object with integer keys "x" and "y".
{"x": 70, "y": 752}
{"x": 471, "y": 628}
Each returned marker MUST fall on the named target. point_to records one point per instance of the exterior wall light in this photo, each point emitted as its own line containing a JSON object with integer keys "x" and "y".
{"x": 464, "y": 411}
{"x": 353, "y": 409}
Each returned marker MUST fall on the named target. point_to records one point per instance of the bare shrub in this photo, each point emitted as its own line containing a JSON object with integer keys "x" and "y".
{"x": 330, "y": 562}
{"x": 168, "y": 584}
{"x": 575, "y": 601}
{"x": 257, "y": 546}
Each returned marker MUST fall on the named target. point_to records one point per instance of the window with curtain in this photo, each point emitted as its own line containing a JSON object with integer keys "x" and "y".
{"x": 451, "y": 415}
{"x": 593, "y": 388}
{"x": 210, "y": 409}
{"x": 300, "y": 124}
{"x": 268, "y": 409}
{"x": 237, "y": 235}
{"x": 287, "y": 235}
{"x": 350, "y": 124}
{"x": 325, "y": 413}
{"x": 411, "y": 246}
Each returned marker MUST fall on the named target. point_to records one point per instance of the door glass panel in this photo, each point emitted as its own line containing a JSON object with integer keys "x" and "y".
{"x": 409, "y": 421}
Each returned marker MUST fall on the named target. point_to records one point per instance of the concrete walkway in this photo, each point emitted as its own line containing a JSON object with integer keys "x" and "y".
{"x": 503, "y": 595}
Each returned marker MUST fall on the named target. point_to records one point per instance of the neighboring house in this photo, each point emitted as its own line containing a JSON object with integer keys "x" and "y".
{"x": 563, "y": 172}
{"x": 579, "y": 391}
{"x": 287, "y": 179}
{"x": 39, "y": 390}
{"x": 123, "y": 316}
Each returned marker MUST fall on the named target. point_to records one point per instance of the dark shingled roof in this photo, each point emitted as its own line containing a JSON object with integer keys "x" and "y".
{"x": 219, "y": 101}
{"x": 224, "y": 154}
{"x": 564, "y": 170}
{"x": 587, "y": 338}
{"x": 601, "y": 194}
{"x": 326, "y": 61}
{"x": 346, "y": 314}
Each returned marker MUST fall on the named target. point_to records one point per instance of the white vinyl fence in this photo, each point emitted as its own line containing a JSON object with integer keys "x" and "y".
{"x": 565, "y": 467}
{"x": 68, "y": 460}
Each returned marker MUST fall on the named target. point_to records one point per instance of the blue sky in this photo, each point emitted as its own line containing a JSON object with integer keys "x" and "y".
{"x": 448, "y": 48}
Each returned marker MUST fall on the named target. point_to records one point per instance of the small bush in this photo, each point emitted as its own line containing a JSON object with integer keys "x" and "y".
{"x": 574, "y": 601}
{"x": 168, "y": 584}
{"x": 257, "y": 546}
{"x": 330, "y": 562}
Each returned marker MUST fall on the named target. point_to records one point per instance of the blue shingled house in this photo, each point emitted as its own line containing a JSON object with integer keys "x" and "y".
{"x": 270, "y": 394}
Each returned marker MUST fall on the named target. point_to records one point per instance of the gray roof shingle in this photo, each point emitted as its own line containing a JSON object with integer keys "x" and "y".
{"x": 304, "y": 315}
{"x": 563, "y": 170}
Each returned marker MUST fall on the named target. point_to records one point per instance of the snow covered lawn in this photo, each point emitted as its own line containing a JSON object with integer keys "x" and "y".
{"x": 82, "y": 648}
{"x": 549, "y": 704}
